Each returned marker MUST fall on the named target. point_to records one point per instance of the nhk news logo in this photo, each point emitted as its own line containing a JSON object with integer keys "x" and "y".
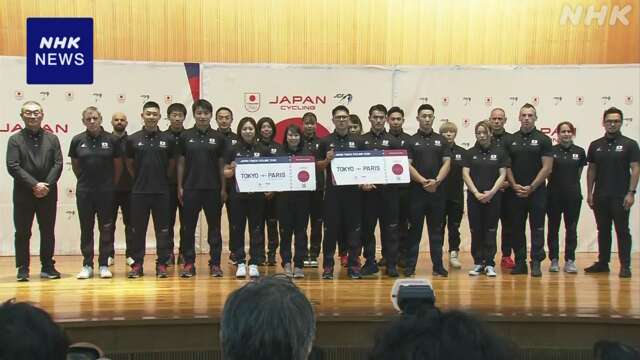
{"x": 59, "y": 51}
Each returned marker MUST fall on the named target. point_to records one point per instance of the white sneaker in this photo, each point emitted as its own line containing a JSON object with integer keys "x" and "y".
{"x": 490, "y": 271}
{"x": 105, "y": 273}
{"x": 85, "y": 273}
{"x": 454, "y": 261}
{"x": 477, "y": 270}
{"x": 253, "y": 271}
{"x": 241, "y": 272}
{"x": 288, "y": 270}
{"x": 110, "y": 261}
{"x": 130, "y": 261}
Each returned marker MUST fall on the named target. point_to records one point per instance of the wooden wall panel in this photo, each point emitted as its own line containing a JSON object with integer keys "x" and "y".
{"x": 421, "y": 32}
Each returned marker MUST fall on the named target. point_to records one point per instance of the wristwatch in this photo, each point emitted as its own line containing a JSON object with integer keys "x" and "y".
{"x": 632, "y": 192}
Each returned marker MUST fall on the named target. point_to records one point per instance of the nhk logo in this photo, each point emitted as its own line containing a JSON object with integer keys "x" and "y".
{"x": 586, "y": 15}
{"x": 59, "y": 51}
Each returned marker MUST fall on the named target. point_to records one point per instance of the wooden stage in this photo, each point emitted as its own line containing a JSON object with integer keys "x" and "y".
{"x": 570, "y": 311}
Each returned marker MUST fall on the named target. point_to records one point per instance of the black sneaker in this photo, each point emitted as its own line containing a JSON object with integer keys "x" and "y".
{"x": 382, "y": 262}
{"x": 369, "y": 268}
{"x": 271, "y": 260}
{"x": 23, "y": 274}
{"x": 441, "y": 272}
{"x": 161, "y": 271}
{"x": 625, "y": 272}
{"x": 327, "y": 273}
{"x": 391, "y": 271}
{"x": 215, "y": 271}
{"x": 135, "y": 272}
{"x": 535, "y": 269}
{"x": 188, "y": 270}
{"x": 409, "y": 271}
{"x": 597, "y": 267}
{"x": 354, "y": 272}
{"x": 49, "y": 272}
{"x": 520, "y": 269}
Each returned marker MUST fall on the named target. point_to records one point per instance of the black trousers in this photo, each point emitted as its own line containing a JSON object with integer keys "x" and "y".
{"x": 429, "y": 205}
{"x": 403, "y": 220}
{"x": 25, "y": 206}
{"x": 452, "y": 217}
{"x": 245, "y": 207}
{"x": 483, "y": 222}
{"x": 534, "y": 207}
{"x": 381, "y": 206}
{"x": 506, "y": 234}
{"x": 174, "y": 205}
{"x": 271, "y": 220}
{"x": 315, "y": 214}
{"x": 559, "y": 206}
{"x": 609, "y": 210}
{"x": 194, "y": 201}
{"x": 91, "y": 204}
{"x": 122, "y": 201}
{"x": 156, "y": 205}
{"x": 342, "y": 218}
{"x": 293, "y": 210}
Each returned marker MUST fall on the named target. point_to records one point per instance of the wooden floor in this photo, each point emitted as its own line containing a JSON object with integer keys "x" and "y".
{"x": 603, "y": 296}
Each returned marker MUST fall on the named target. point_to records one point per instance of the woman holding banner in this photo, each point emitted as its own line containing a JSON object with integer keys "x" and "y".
{"x": 246, "y": 206}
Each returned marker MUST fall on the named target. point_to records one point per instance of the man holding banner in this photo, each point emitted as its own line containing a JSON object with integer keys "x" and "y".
{"x": 430, "y": 159}
{"x": 342, "y": 204}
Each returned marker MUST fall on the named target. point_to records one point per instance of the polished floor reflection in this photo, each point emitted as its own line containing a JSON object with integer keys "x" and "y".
{"x": 552, "y": 296}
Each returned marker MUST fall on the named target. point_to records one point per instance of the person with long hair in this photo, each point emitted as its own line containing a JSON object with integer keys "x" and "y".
{"x": 245, "y": 206}
{"x": 483, "y": 171}
{"x": 266, "y": 134}
{"x": 293, "y": 211}
{"x": 565, "y": 197}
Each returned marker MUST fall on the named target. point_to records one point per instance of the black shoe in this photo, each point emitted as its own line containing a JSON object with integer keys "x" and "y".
{"x": 369, "y": 268}
{"x": 402, "y": 263}
{"x": 188, "y": 270}
{"x": 520, "y": 269}
{"x": 535, "y": 269}
{"x": 49, "y": 272}
{"x": 354, "y": 272}
{"x": 23, "y": 274}
{"x": 409, "y": 272}
{"x": 161, "y": 271}
{"x": 625, "y": 272}
{"x": 327, "y": 273}
{"x": 391, "y": 271}
{"x": 271, "y": 260}
{"x": 135, "y": 272}
{"x": 382, "y": 262}
{"x": 441, "y": 271}
{"x": 597, "y": 267}
{"x": 215, "y": 271}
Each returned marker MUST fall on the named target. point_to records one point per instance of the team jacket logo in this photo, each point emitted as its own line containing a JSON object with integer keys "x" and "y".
{"x": 273, "y": 151}
{"x": 105, "y": 145}
{"x": 212, "y": 141}
{"x": 252, "y": 101}
{"x": 458, "y": 157}
{"x": 256, "y": 154}
{"x": 534, "y": 142}
{"x": 494, "y": 157}
{"x": 352, "y": 145}
{"x": 576, "y": 156}
{"x": 618, "y": 147}
{"x": 385, "y": 142}
{"x": 163, "y": 144}
{"x": 234, "y": 141}
{"x": 83, "y": 145}
{"x": 436, "y": 142}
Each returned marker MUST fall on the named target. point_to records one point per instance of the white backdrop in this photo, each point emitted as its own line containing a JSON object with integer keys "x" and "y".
{"x": 463, "y": 95}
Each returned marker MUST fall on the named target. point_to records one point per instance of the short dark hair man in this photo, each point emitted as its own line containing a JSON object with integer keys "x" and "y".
{"x": 611, "y": 189}
{"x": 34, "y": 160}
{"x": 267, "y": 319}
{"x": 176, "y": 113}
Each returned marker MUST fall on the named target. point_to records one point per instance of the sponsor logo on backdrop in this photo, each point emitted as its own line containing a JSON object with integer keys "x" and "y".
{"x": 587, "y": 15}
{"x": 579, "y": 100}
{"x": 488, "y": 100}
{"x": 557, "y": 100}
{"x": 605, "y": 99}
{"x": 466, "y": 122}
{"x": 145, "y": 98}
{"x": 59, "y": 50}
{"x": 168, "y": 99}
{"x": 97, "y": 96}
{"x": 466, "y": 100}
{"x": 13, "y": 127}
{"x": 122, "y": 98}
{"x": 298, "y": 102}
{"x": 44, "y": 95}
{"x": 535, "y": 101}
{"x": 514, "y": 100}
{"x": 445, "y": 101}
{"x": 344, "y": 99}
{"x": 552, "y": 133}
{"x": 68, "y": 95}
{"x": 628, "y": 100}
{"x": 252, "y": 101}
{"x": 19, "y": 95}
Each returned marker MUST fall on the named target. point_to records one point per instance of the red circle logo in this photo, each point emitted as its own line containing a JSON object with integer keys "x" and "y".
{"x": 252, "y": 98}
{"x": 303, "y": 176}
{"x": 397, "y": 169}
